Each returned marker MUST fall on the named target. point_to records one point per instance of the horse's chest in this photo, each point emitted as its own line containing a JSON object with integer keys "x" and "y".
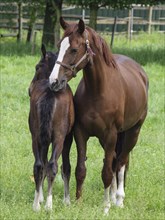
{"x": 94, "y": 123}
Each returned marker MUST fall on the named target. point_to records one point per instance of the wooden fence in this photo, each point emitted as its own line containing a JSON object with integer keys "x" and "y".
{"x": 15, "y": 17}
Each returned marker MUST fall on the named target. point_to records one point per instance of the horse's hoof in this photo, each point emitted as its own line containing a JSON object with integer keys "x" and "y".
{"x": 106, "y": 209}
{"x": 119, "y": 204}
{"x": 113, "y": 199}
{"x": 66, "y": 201}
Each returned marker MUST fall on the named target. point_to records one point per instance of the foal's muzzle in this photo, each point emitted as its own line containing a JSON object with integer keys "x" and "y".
{"x": 58, "y": 85}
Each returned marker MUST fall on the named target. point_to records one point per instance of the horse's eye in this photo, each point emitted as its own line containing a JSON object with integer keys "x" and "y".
{"x": 74, "y": 50}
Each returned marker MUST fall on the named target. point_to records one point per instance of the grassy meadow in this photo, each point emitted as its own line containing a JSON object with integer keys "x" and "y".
{"x": 145, "y": 188}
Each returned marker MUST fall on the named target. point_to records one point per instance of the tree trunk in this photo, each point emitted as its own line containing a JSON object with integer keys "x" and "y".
{"x": 31, "y": 26}
{"x": 57, "y": 6}
{"x": 93, "y": 16}
{"x": 51, "y": 29}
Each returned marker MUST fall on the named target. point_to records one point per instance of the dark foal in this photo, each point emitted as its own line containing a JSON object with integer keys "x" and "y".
{"x": 50, "y": 121}
{"x": 110, "y": 103}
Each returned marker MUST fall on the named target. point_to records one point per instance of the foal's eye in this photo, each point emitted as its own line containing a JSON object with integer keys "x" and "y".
{"x": 74, "y": 50}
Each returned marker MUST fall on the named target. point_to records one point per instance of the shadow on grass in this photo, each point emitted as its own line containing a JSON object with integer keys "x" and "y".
{"x": 19, "y": 49}
{"x": 142, "y": 55}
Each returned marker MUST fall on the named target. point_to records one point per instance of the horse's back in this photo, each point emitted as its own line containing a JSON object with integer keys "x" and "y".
{"x": 130, "y": 69}
{"x": 135, "y": 86}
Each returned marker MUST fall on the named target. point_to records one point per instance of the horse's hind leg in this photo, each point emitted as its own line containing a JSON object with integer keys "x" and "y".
{"x": 130, "y": 140}
{"x": 118, "y": 149}
{"x": 66, "y": 168}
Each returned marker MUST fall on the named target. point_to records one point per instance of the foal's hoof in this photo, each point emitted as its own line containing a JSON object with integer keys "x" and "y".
{"x": 41, "y": 198}
{"x": 48, "y": 205}
{"x": 36, "y": 207}
{"x": 66, "y": 201}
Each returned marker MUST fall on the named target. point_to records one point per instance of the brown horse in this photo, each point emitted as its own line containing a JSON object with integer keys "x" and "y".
{"x": 110, "y": 103}
{"x": 50, "y": 121}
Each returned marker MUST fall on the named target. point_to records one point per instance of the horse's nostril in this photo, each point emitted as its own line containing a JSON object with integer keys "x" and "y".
{"x": 54, "y": 85}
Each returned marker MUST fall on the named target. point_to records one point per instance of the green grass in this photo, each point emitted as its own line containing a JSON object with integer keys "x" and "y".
{"x": 145, "y": 189}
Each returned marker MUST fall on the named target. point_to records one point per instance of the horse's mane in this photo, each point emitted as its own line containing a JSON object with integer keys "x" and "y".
{"x": 98, "y": 42}
{"x": 102, "y": 47}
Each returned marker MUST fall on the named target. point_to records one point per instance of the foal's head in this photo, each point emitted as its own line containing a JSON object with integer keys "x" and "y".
{"x": 44, "y": 67}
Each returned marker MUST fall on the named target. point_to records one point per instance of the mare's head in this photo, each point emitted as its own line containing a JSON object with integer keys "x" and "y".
{"x": 72, "y": 54}
{"x": 77, "y": 48}
{"x": 44, "y": 67}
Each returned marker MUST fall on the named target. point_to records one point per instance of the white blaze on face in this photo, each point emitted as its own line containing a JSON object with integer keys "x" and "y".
{"x": 63, "y": 48}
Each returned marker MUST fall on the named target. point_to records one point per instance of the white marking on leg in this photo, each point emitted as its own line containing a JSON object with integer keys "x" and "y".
{"x": 120, "y": 190}
{"x": 106, "y": 201}
{"x": 48, "y": 205}
{"x": 66, "y": 191}
{"x": 36, "y": 203}
{"x": 63, "y": 48}
{"x": 113, "y": 189}
{"x": 41, "y": 197}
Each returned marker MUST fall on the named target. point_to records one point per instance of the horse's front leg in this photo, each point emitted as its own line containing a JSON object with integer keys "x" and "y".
{"x": 66, "y": 168}
{"x": 107, "y": 171}
{"x": 52, "y": 169}
{"x": 81, "y": 141}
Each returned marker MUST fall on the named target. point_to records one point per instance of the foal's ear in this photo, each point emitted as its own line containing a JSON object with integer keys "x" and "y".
{"x": 63, "y": 23}
{"x": 43, "y": 50}
{"x": 81, "y": 26}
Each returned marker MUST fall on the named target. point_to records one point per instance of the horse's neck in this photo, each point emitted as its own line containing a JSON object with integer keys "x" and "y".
{"x": 95, "y": 76}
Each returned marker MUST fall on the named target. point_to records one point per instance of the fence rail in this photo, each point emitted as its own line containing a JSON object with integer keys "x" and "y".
{"x": 16, "y": 17}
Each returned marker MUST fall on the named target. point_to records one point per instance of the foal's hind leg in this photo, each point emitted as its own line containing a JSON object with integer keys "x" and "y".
{"x": 130, "y": 140}
{"x": 52, "y": 169}
{"x": 39, "y": 174}
{"x": 66, "y": 168}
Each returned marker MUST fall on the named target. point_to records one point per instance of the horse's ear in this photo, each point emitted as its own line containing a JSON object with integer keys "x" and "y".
{"x": 81, "y": 26}
{"x": 63, "y": 23}
{"x": 43, "y": 50}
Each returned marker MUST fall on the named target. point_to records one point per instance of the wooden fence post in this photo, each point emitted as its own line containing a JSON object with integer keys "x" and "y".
{"x": 113, "y": 31}
{"x": 150, "y": 19}
{"x": 34, "y": 42}
{"x": 130, "y": 24}
{"x": 19, "y": 37}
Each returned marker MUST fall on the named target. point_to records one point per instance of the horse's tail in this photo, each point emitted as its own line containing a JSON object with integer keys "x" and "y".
{"x": 45, "y": 107}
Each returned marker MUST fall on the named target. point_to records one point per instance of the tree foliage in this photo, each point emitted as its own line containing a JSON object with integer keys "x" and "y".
{"x": 94, "y": 5}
